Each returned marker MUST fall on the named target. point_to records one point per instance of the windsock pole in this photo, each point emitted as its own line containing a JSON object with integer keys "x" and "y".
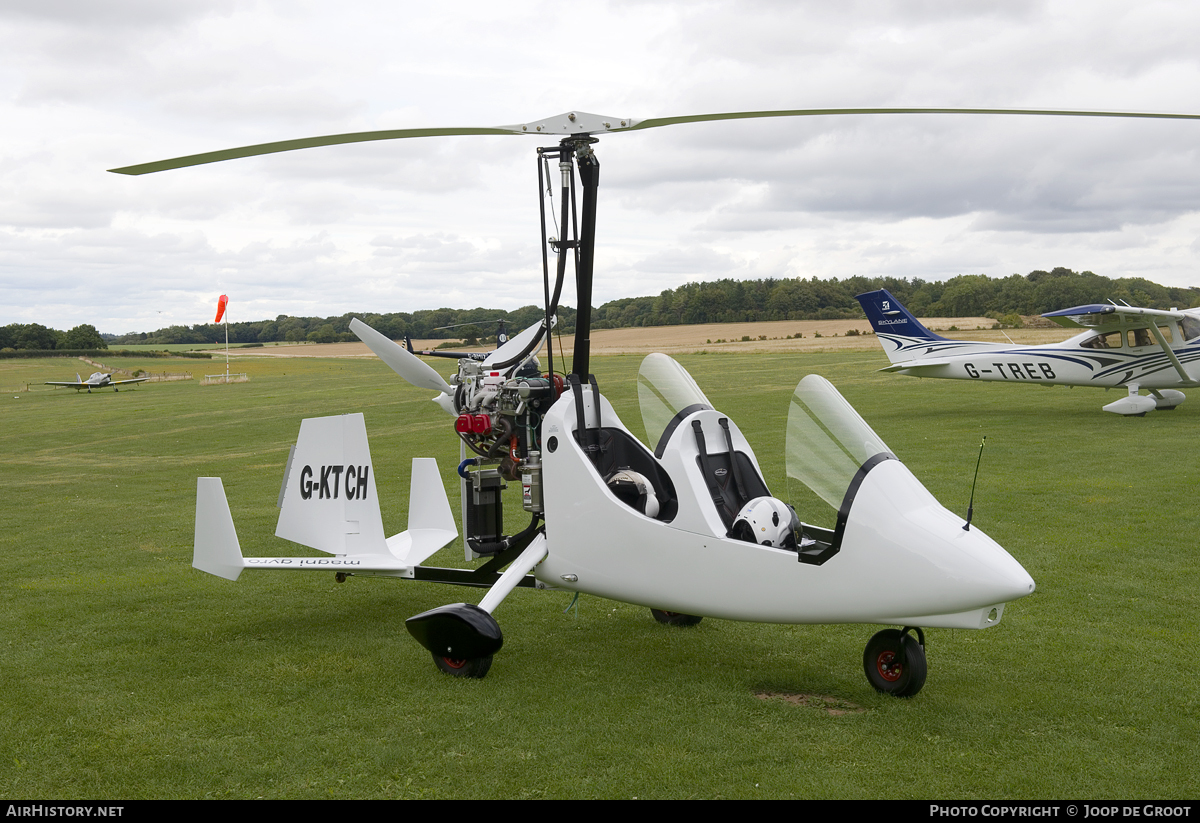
{"x": 222, "y": 303}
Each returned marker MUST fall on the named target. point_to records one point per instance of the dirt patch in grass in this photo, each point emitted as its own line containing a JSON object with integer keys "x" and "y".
{"x": 832, "y": 706}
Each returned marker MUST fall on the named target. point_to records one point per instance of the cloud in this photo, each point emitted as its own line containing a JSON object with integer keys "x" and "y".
{"x": 430, "y": 222}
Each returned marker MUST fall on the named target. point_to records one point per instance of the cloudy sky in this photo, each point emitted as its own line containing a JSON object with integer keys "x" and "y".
{"x": 403, "y": 225}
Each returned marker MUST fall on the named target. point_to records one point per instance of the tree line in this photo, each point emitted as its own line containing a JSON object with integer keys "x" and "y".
{"x": 722, "y": 301}
{"x": 38, "y": 337}
{"x": 478, "y": 324}
{"x": 968, "y": 295}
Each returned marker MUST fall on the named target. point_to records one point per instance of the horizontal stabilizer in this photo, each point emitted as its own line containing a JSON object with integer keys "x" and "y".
{"x": 911, "y": 365}
{"x": 216, "y": 549}
{"x": 431, "y": 523}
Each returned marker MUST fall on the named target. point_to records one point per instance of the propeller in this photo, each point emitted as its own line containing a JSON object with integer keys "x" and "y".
{"x": 401, "y": 361}
{"x": 584, "y": 124}
{"x": 516, "y": 344}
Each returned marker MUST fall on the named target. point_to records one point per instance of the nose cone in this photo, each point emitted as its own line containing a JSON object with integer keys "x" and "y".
{"x": 978, "y": 559}
{"x": 918, "y": 551}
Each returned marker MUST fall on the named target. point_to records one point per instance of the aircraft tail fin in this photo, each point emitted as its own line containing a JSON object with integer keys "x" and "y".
{"x": 329, "y": 501}
{"x": 890, "y": 319}
{"x": 431, "y": 523}
{"x": 216, "y": 549}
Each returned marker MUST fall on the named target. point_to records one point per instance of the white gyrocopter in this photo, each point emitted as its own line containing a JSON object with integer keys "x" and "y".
{"x": 685, "y": 525}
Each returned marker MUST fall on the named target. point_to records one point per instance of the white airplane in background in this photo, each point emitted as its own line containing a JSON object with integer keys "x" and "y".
{"x": 1121, "y": 346}
{"x": 98, "y": 380}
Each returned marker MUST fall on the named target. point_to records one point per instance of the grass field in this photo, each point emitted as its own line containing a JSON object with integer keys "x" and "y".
{"x": 127, "y": 674}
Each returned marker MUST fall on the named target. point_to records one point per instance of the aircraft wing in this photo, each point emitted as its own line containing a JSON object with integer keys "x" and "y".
{"x": 1100, "y": 315}
{"x": 1105, "y": 314}
{"x": 83, "y": 384}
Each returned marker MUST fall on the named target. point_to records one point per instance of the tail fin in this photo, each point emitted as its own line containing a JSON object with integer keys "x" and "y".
{"x": 408, "y": 342}
{"x": 431, "y": 523}
{"x": 216, "y": 549}
{"x": 889, "y": 318}
{"x": 329, "y": 497}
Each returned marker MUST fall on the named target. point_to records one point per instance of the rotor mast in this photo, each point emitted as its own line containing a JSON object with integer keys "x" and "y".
{"x": 589, "y": 175}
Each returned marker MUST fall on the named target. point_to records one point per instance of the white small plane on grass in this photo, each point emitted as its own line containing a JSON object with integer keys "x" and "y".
{"x": 1120, "y": 346}
{"x": 99, "y": 380}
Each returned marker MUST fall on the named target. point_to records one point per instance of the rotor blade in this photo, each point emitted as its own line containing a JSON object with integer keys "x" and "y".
{"x": 582, "y": 123}
{"x": 303, "y": 143}
{"x": 401, "y": 361}
{"x": 656, "y": 122}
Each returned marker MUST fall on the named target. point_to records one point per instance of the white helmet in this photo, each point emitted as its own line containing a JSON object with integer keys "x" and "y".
{"x": 766, "y": 521}
{"x": 641, "y": 490}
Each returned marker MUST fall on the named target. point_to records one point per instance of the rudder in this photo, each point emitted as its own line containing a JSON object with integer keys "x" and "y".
{"x": 887, "y": 315}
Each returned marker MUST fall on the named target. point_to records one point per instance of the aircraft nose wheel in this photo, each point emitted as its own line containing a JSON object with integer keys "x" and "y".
{"x": 463, "y": 667}
{"x": 675, "y": 618}
{"x": 895, "y": 662}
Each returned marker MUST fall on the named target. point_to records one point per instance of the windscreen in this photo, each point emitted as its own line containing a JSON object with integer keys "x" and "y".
{"x": 664, "y": 390}
{"x": 827, "y": 441}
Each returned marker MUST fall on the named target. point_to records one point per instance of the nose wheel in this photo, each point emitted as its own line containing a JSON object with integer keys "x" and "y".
{"x": 895, "y": 662}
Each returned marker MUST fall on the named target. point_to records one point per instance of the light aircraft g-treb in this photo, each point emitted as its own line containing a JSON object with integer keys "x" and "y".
{"x": 1120, "y": 346}
{"x": 98, "y": 380}
{"x": 685, "y": 525}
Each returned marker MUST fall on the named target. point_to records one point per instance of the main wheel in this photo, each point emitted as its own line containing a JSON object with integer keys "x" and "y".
{"x": 675, "y": 618}
{"x": 470, "y": 667}
{"x": 881, "y": 662}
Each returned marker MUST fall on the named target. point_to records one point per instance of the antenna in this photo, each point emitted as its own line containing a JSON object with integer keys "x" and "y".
{"x": 971, "y": 505}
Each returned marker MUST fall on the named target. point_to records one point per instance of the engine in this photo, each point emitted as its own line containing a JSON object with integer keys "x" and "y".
{"x": 500, "y": 420}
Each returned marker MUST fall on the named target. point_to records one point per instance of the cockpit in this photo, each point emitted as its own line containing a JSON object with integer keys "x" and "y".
{"x": 829, "y": 449}
{"x": 1137, "y": 338}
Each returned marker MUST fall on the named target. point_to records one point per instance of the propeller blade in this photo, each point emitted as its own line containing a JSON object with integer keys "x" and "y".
{"x": 401, "y": 361}
{"x": 516, "y": 344}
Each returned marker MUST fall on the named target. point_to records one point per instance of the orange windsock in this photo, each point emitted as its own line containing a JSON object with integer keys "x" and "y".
{"x": 222, "y": 302}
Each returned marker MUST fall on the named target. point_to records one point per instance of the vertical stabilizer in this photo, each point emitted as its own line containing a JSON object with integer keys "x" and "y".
{"x": 428, "y": 507}
{"x": 890, "y": 319}
{"x": 431, "y": 523}
{"x": 216, "y": 549}
{"x": 329, "y": 497}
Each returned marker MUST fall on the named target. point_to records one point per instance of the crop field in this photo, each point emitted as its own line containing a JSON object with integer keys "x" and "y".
{"x": 128, "y": 674}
